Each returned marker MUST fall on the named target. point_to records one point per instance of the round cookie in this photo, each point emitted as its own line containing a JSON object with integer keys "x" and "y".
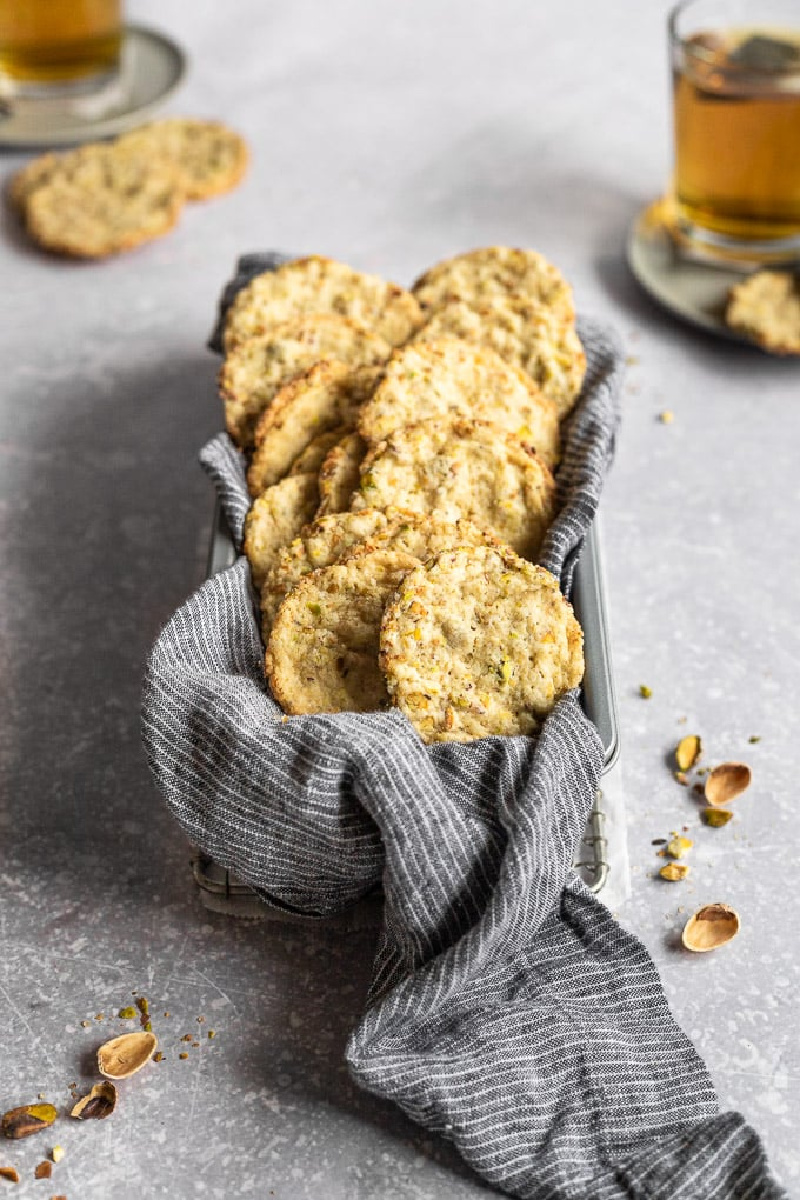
{"x": 539, "y": 342}
{"x": 340, "y": 473}
{"x": 332, "y": 538}
{"x": 460, "y": 468}
{"x": 478, "y": 642}
{"x": 206, "y": 157}
{"x": 322, "y": 654}
{"x": 451, "y": 377}
{"x": 480, "y": 276}
{"x": 766, "y": 309}
{"x": 277, "y": 516}
{"x": 254, "y": 372}
{"x": 102, "y": 202}
{"x": 321, "y": 285}
{"x": 326, "y": 396}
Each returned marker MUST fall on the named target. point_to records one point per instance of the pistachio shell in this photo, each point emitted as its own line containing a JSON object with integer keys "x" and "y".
{"x": 29, "y": 1118}
{"x": 99, "y": 1103}
{"x": 124, "y": 1055}
{"x": 688, "y": 751}
{"x": 710, "y": 927}
{"x": 726, "y": 782}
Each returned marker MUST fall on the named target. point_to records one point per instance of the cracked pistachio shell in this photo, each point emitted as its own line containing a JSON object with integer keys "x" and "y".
{"x": 99, "y": 1103}
{"x": 710, "y": 927}
{"x": 726, "y": 782}
{"x": 688, "y": 751}
{"x": 29, "y": 1118}
{"x": 125, "y": 1055}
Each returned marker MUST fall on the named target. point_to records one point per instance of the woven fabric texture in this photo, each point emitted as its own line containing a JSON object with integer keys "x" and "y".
{"x": 508, "y": 1011}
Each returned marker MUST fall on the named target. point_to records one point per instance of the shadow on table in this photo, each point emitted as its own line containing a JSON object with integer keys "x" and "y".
{"x": 110, "y": 535}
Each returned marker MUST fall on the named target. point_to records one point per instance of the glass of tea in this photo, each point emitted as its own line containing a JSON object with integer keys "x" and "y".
{"x": 55, "y": 47}
{"x": 736, "y": 107}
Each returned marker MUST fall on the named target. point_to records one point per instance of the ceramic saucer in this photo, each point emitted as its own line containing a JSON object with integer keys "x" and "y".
{"x": 694, "y": 289}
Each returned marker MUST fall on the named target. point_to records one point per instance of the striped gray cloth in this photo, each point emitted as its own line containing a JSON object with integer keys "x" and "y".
{"x": 508, "y": 1011}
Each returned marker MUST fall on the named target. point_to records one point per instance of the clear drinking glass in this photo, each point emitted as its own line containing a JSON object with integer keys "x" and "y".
{"x": 736, "y": 109}
{"x": 58, "y": 47}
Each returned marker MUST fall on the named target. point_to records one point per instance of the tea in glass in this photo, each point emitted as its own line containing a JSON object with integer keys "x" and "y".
{"x": 736, "y": 98}
{"x": 51, "y": 45}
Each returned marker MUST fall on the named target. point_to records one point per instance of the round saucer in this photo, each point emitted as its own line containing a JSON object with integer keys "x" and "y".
{"x": 151, "y": 68}
{"x": 694, "y": 290}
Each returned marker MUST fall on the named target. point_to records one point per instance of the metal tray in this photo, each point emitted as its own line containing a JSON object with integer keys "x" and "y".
{"x": 222, "y": 892}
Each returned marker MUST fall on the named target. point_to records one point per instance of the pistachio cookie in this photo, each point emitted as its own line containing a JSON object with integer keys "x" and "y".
{"x": 322, "y": 654}
{"x": 478, "y": 642}
{"x": 254, "y": 372}
{"x": 327, "y": 396}
{"x": 451, "y": 377}
{"x": 766, "y": 309}
{"x": 454, "y": 468}
{"x": 277, "y": 516}
{"x": 206, "y": 157}
{"x": 321, "y": 285}
{"x": 481, "y": 276}
{"x": 101, "y": 203}
{"x": 540, "y": 342}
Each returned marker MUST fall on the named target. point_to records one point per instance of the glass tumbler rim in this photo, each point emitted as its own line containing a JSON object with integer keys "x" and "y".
{"x": 677, "y": 10}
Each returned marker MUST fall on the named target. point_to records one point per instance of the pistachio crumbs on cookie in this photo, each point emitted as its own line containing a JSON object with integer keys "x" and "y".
{"x": 322, "y": 654}
{"x": 321, "y": 285}
{"x": 536, "y": 340}
{"x": 207, "y": 157}
{"x": 325, "y": 397}
{"x": 255, "y": 371}
{"x": 480, "y": 276}
{"x": 277, "y": 516}
{"x": 334, "y": 537}
{"x": 451, "y": 377}
{"x": 477, "y": 642}
{"x": 320, "y": 544}
{"x": 455, "y": 467}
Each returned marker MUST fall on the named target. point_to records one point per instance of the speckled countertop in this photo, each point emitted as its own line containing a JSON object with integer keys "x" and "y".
{"x": 390, "y": 136}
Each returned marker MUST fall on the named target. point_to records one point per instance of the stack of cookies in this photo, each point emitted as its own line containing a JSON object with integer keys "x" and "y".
{"x": 106, "y": 197}
{"x": 401, "y": 449}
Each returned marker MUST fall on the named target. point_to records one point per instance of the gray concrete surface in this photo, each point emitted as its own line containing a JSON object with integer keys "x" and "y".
{"x": 390, "y": 136}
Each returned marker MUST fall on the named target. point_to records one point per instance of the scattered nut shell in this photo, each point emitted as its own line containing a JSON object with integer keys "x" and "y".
{"x": 125, "y": 1055}
{"x": 29, "y": 1118}
{"x": 726, "y": 782}
{"x": 9, "y": 1173}
{"x": 674, "y": 872}
{"x": 44, "y": 1170}
{"x": 98, "y": 1104}
{"x": 710, "y": 927}
{"x": 717, "y": 817}
{"x": 688, "y": 751}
